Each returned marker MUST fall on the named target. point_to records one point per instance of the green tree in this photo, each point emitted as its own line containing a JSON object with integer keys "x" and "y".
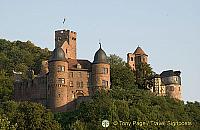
{"x": 121, "y": 75}
{"x": 29, "y": 115}
{"x": 5, "y": 124}
{"x": 6, "y": 86}
{"x": 193, "y": 110}
{"x": 143, "y": 75}
{"x": 18, "y": 56}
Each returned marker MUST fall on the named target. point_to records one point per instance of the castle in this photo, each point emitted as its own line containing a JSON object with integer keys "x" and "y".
{"x": 168, "y": 83}
{"x": 65, "y": 81}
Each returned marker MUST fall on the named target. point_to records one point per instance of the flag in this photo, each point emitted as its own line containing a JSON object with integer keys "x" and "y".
{"x": 63, "y": 20}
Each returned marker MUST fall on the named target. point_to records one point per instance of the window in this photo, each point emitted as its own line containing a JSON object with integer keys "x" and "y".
{"x": 155, "y": 89}
{"x": 156, "y": 81}
{"x": 88, "y": 75}
{"x": 179, "y": 88}
{"x": 73, "y": 96}
{"x": 162, "y": 90}
{"x": 138, "y": 59}
{"x": 66, "y": 50}
{"x": 61, "y": 81}
{"x": 71, "y": 84}
{"x": 78, "y": 66}
{"x": 71, "y": 75}
{"x": 105, "y": 70}
{"x": 104, "y": 83}
{"x": 99, "y": 71}
{"x": 79, "y": 94}
{"x": 73, "y": 38}
{"x": 131, "y": 58}
{"x": 171, "y": 88}
{"x": 61, "y": 68}
{"x": 79, "y": 84}
{"x": 144, "y": 59}
{"x": 79, "y": 74}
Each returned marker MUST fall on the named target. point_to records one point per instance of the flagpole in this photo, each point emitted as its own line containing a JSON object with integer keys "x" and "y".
{"x": 64, "y": 23}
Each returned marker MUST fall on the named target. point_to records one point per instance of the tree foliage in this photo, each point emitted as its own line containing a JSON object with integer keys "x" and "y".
{"x": 27, "y": 115}
{"x": 121, "y": 75}
{"x": 21, "y": 56}
{"x": 6, "y": 86}
{"x": 143, "y": 73}
{"x": 18, "y": 56}
{"x": 5, "y": 124}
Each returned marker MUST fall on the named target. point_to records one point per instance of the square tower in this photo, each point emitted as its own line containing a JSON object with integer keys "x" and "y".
{"x": 134, "y": 59}
{"x": 66, "y": 39}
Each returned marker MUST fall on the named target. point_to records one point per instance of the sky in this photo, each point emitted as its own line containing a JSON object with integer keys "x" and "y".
{"x": 167, "y": 30}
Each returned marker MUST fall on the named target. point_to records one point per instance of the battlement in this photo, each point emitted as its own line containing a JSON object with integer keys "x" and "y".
{"x": 62, "y": 36}
{"x": 63, "y": 31}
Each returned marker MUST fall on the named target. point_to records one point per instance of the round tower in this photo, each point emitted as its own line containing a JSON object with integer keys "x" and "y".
{"x": 172, "y": 81}
{"x": 100, "y": 71}
{"x": 57, "y": 80}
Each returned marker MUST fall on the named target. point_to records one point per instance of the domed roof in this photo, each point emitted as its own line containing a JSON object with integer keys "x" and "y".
{"x": 100, "y": 56}
{"x": 58, "y": 55}
{"x": 139, "y": 51}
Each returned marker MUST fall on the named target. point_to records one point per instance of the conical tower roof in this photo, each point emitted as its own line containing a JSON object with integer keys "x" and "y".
{"x": 139, "y": 51}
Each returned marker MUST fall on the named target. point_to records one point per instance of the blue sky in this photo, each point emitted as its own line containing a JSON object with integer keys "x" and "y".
{"x": 168, "y": 31}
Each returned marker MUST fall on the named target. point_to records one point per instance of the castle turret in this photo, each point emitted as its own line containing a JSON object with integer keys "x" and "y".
{"x": 134, "y": 59}
{"x": 58, "y": 80}
{"x": 172, "y": 81}
{"x": 100, "y": 71}
{"x": 66, "y": 39}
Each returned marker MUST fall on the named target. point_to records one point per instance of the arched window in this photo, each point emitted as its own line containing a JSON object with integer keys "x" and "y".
{"x": 79, "y": 94}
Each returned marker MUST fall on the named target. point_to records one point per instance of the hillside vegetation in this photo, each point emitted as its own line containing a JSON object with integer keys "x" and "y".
{"x": 129, "y": 106}
{"x": 18, "y": 56}
{"x": 127, "y": 101}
